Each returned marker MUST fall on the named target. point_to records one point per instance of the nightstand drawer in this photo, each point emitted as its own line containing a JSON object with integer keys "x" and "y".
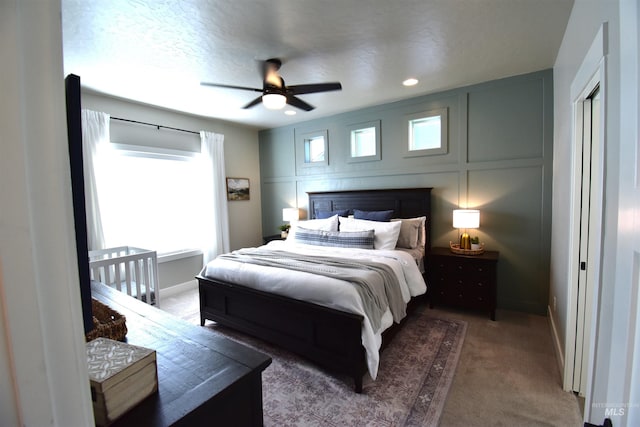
{"x": 467, "y": 281}
{"x": 467, "y": 297}
{"x": 466, "y": 269}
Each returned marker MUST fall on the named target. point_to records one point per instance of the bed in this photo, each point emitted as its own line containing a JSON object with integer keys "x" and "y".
{"x": 329, "y": 336}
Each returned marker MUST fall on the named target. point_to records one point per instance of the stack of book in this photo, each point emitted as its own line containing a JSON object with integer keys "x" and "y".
{"x": 121, "y": 375}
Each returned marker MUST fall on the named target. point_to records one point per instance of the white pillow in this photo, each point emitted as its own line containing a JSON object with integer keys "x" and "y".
{"x": 386, "y": 233}
{"x": 325, "y": 224}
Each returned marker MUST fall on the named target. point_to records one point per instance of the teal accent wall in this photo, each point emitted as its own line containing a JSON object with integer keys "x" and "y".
{"x": 498, "y": 160}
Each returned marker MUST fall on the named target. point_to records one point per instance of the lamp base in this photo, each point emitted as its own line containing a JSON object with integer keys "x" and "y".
{"x": 465, "y": 241}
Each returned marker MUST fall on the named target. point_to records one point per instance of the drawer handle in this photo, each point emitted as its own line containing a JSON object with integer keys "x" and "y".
{"x": 480, "y": 269}
{"x": 480, "y": 284}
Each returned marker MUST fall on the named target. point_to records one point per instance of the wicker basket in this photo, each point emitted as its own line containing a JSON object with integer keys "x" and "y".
{"x": 455, "y": 248}
{"x": 107, "y": 323}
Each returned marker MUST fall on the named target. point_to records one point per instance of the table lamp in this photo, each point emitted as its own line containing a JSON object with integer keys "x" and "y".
{"x": 464, "y": 219}
{"x": 288, "y": 215}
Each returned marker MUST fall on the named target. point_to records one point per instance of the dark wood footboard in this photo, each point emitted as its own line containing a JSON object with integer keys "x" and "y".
{"x": 328, "y": 337}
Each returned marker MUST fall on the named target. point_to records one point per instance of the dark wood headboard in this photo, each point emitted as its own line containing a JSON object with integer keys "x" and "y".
{"x": 406, "y": 203}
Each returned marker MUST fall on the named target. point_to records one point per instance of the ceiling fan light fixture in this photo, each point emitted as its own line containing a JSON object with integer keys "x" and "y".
{"x": 274, "y": 101}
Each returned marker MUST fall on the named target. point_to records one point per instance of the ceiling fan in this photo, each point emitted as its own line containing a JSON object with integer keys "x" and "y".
{"x": 275, "y": 94}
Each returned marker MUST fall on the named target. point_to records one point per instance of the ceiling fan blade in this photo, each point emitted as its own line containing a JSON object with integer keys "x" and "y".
{"x": 299, "y": 103}
{"x": 313, "y": 88}
{"x": 230, "y": 86}
{"x": 256, "y": 101}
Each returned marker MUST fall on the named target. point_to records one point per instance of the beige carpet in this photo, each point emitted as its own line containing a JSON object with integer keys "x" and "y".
{"x": 507, "y": 374}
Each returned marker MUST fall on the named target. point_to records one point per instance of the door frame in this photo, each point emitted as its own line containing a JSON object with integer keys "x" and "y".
{"x": 591, "y": 73}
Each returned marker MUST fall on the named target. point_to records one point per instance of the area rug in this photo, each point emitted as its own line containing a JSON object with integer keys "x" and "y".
{"x": 415, "y": 374}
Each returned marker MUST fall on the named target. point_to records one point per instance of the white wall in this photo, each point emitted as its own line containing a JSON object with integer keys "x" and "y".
{"x": 44, "y": 378}
{"x": 616, "y": 314}
{"x": 624, "y": 368}
{"x": 585, "y": 21}
{"x": 241, "y": 160}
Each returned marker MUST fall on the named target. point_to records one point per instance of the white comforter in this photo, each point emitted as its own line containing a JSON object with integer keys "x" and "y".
{"x": 323, "y": 290}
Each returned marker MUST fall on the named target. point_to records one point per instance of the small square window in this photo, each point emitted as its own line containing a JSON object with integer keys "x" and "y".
{"x": 424, "y": 133}
{"x": 364, "y": 141}
{"x": 427, "y": 133}
{"x": 312, "y": 149}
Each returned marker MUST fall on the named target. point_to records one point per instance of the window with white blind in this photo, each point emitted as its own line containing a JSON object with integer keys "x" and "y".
{"x": 148, "y": 198}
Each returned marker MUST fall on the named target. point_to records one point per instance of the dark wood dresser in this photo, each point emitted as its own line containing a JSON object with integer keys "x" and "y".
{"x": 203, "y": 378}
{"x": 463, "y": 281}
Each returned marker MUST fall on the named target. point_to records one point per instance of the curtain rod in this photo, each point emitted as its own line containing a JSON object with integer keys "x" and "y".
{"x": 154, "y": 125}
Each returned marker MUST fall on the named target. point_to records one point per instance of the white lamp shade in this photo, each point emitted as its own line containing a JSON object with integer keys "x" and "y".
{"x": 466, "y": 218}
{"x": 274, "y": 101}
{"x": 290, "y": 214}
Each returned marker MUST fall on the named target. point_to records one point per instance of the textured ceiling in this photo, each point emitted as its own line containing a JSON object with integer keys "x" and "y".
{"x": 158, "y": 51}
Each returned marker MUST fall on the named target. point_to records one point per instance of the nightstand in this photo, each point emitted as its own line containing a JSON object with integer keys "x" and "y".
{"x": 466, "y": 281}
{"x": 267, "y": 239}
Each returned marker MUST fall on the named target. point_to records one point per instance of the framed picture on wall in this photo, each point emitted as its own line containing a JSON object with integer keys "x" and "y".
{"x": 237, "y": 188}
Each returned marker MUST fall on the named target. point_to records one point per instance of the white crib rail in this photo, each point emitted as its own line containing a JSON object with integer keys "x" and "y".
{"x": 133, "y": 271}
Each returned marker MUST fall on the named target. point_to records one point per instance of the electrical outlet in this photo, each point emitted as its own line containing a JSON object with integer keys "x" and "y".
{"x": 554, "y": 304}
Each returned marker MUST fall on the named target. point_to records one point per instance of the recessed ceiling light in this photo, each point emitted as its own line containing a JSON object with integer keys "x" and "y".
{"x": 290, "y": 113}
{"x": 410, "y": 82}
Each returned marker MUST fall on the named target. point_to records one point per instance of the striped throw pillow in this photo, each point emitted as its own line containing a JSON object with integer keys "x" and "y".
{"x": 340, "y": 239}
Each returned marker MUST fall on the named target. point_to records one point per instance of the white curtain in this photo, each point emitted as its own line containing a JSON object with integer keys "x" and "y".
{"x": 216, "y": 229}
{"x": 95, "y": 132}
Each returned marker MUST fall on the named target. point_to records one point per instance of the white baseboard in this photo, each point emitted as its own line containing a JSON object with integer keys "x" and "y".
{"x": 177, "y": 289}
{"x": 557, "y": 345}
